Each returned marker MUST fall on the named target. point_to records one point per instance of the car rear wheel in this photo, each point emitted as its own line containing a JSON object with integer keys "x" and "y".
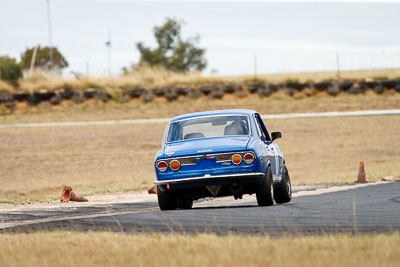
{"x": 265, "y": 191}
{"x": 283, "y": 193}
{"x": 183, "y": 203}
{"x": 166, "y": 201}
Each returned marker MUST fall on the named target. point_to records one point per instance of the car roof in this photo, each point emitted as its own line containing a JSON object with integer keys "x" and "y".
{"x": 246, "y": 112}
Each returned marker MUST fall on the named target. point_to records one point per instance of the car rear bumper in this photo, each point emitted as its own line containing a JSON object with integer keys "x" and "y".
{"x": 208, "y": 177}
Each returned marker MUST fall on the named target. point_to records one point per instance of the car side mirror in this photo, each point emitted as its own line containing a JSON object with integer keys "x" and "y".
{"x": 276, "y": 135}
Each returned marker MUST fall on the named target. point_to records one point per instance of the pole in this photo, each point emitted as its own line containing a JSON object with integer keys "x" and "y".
{"x": 50, "y": 39}
{"x": 33, "y": 59}
{"x": 108, "y": 44}
{"x": 338, "y": 65}
{"x": 87, "y": 69}
{"x": 255, "y": 66}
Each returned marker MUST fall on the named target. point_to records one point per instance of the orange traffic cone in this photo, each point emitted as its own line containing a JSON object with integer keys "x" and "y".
{"x": 361, "y": 174}
{"x": 152, "y": 190}
{"x": 78, "y": 198}
{"x": 391, "y": 178}
{"x": 67, "y": 195}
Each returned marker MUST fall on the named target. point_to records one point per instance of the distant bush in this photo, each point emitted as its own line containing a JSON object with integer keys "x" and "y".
{"x": 10, "y": 70}
{"x": 43, "y": 58}
{"x": 173, "y": 52}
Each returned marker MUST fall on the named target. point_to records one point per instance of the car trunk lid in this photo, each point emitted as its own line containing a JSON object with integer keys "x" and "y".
{"x": 206, "y": 146}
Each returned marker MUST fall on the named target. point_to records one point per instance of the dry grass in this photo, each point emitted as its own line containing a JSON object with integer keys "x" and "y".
{"x": 5, "y": 87}
{"x": 36, "y": 162}
{"x": 143, "y": 77}
{"x": 115, "y": 249}
{"x": 328, "y": 150}
{"x": 332, "y": 75}
{"x": 159, "y": 77}
{"x": 39, "y": 80}
{"x": 160, "y": 108}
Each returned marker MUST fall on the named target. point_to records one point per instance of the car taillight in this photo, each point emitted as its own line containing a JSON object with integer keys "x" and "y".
{"x": 249, "y": 158}
{"x": 162, "y": 166}
{"x": 175, "y": 165}
{"x": 236, "y": 159}
{"x": 223, "y": 157}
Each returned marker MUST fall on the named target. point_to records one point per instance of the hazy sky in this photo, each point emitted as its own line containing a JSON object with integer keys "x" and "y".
{"x": 283, "y": 36}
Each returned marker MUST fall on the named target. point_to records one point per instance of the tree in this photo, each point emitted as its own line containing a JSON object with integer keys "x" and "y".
{"x": 10, "y": 70}
{"x": 172, "y": 53}
{"x": 43, "y": 58}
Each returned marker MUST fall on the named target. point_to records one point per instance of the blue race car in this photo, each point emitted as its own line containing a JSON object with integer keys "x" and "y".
{"x": 220, "y": 153}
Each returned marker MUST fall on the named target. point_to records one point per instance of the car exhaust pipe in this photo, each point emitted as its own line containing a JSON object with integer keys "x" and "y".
{"x": 236, "y": 188}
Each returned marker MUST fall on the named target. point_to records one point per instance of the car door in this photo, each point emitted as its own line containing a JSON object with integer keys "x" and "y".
{"x": 272, "y": 150}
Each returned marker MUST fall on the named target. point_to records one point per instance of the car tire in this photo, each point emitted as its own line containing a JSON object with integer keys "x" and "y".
{"x": 166, "y": 201}
{"x": 183, "y": 203}
{"x": 265, "y": 191}
{"x": 283, "y": 193}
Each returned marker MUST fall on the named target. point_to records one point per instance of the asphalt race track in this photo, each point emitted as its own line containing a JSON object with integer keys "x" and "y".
{"x": 372, "y": 208}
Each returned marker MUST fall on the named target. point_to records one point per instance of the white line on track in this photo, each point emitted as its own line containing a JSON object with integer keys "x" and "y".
{"x": 334, "y": 114}
{"x": 75, "y": 217}
{"x": 165, "y": 120}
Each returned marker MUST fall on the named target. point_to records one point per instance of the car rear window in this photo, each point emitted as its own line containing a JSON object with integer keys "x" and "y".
{"x": 213, "y": 126}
